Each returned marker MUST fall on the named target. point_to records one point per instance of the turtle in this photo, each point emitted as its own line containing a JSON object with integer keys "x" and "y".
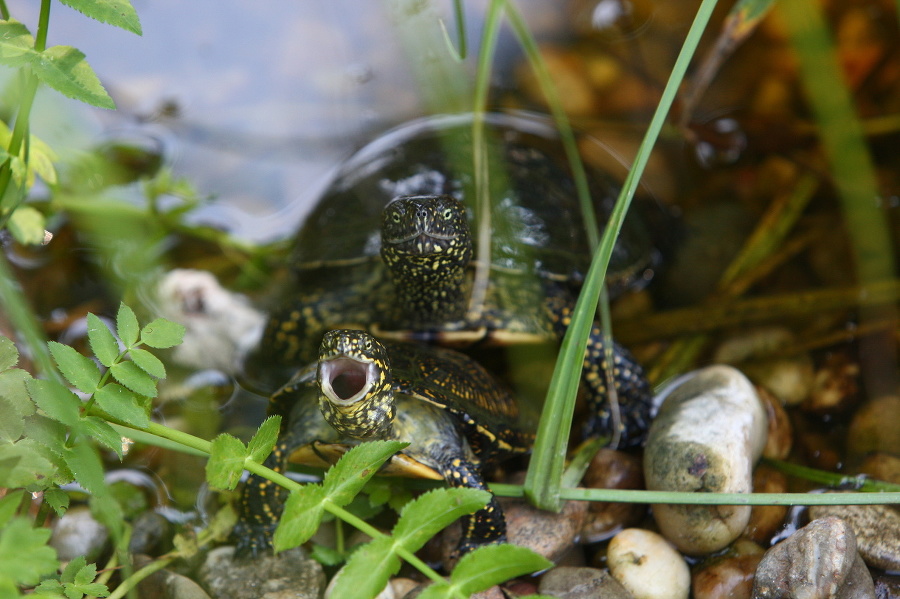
{"x": 457, "y": 417}
{"x": 364, "y": 257}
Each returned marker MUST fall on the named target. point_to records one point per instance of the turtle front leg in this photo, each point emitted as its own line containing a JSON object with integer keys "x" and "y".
{"x": 259, "y": 510}
{"x": 633, "y": 392}
{"x": 485, "y": 526}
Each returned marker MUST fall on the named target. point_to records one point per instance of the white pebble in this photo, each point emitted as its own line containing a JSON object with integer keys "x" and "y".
{"x": 647, "y": 565}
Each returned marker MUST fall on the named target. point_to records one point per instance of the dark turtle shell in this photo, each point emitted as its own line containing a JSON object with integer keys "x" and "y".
{"x": 536, "y": 219}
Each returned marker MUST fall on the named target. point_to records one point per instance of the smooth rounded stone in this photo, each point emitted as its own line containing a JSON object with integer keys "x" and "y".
{"x": 611, "y": 469}
{"x": 874, "y": 427}
{"x": 147, "y": 532}
{"x": 780, "y": 437}
{"x": 819, "y": 561}
{"x": 730, "y": 577}
{"x": 710, "y": 430}
{"x": 582, "y": 583}
{"x": 647, "y": 565}
{"x": 876, "y": 528}
{"x": 182, "y": 587}
{"x": 882, "y": 466}
{"x": 766, "y": 520}
{"x": 835, "y": 386}
{"x": 77, "y": 533}
{"x": 287, "y": 575}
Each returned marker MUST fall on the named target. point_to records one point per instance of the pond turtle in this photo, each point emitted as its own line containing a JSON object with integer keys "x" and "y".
{"x": 457, "y": 418}
{"x": 392, "y": 247}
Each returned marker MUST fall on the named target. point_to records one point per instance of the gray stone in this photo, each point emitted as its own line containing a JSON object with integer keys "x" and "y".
{"x": 819, "y": 561}
{"x": 876, "y": 528}
{"x": 582, "y": 583}
{"x": 77, "y": 533}
{"x": 287, "y": 575}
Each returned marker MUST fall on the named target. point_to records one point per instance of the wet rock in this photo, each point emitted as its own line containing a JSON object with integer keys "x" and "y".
{"x": 582, "y": 583}
{"x": 612, "y": 469}
{"x": 887, "y": 587}
{"x": 731, "y": 577}
{"x": 766, "y": 520}
{"x": 835, "y": 385}
{"x": 401, "y": 586}
{"x": 710, "y": 430}
{"x": 647, "y": 565}
{"x": 290, "y": 574}
{"x": 77, "y": 533}
{"x": 818, "y": 561}
{"x": 147, "y": 532}
{"x": 549, "y": 534}
{"x": 876, "y": 528}
{"x": 874, "y": 427}
{"x": 780, "y": 437}
{"x": 882, "y": 466}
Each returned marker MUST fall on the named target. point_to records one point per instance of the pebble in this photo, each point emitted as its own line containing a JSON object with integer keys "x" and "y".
{"x": 549, "y": 534}
{"x": 77, "y": 533}
{"x": 148, "y": 531}
{"x": 165, "y": 584}
{"x": 819, "y": 561}
{"x": 766, "y": 520}
{"x": 611, "y": 469}
{"x": 874, "y": 427}
{"x": 780, "y": 437}
{"x": 647, "y": 565}
{"x": 835, "y": 385}
{"x": 730, "y": 577}
{"x": 710, "y": 430}
{"x": 289, "y": 574}
{"x": 882, "y": 466}
{"x": 582, "y": 583}
{"x": 876, "y": 528}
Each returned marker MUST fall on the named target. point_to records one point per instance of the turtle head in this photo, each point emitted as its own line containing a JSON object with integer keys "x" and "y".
{"x": 429, "y": 230}
{"x": 354, "y": 378}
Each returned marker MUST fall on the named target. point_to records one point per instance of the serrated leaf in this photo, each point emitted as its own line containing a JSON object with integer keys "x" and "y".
{"x": 9, "y": 504}
{"x": 102, "y": 341}
{"x": 11, "y": 425}
{"x": 368, "y": 570}
{"x": 48, "y": 432}
{"x": 326, "y": 555}
{"x": 83, "y": 461}
{"x": 119, "y": 13}
{"x": 108, "y": 512}
{"x": 16, "y": 44}
{"x": 162, "y": 333}
{"x": 72, "y": 568}
{"x": 431, "y": 512}
{"x": 55, "y": 400}
{"x": 134, "y": 378}
{"x": 41, "y": 159}
{"x": 57, "y": 499}
{"x": 123, "y": 405}
{"x": 300, "y": 520}
{"x": 64, "y": 69}
{"x": 79, "y": 370}
{"x": 127, "y": 326}
{"x": 27, "y": 225}
{"x": 86, "y": 574}
{"x": 9, "y": 355}
{"x": 263, "y": 441}
{"x": 493, "y": 564}
{"x": 346, "y": 478}
{"x": 226, "y": 462}
{"x": 103, "y": 433}
{"x": 24, "y": 554}
{"x": 148, "y": 362}
{"x": 21, "y": 465}
{"x": 13, "y": 389}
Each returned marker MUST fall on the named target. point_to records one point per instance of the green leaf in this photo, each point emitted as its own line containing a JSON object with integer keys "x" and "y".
{"x": 9, "y": 504}
{"x": 24, "y": 554}
{"x": 162, "y": 333}
{"x": 123, "y": 405}
{"x": 83, "y": 461}
{"x": 68, "y": 573}
{"x": 99, "y": 430}
{"x": 368, "y": 570}
{"x": 27, "y": 225}
{"x": 64, "y": 69}
{"x": 326, "y": 555}
{"x": 15, "y": 405}
{"x": 78, "y": 370}
{"x": 127, "y": 326}
{"x": 148, "y": 362}
{"x": 226, "y": 462}
{"x": 346, "y": 478}
{"x": 431, "y": 512}
{"x": 119, "y": 13}
{"x": 134, "y": 378}
{"x": 302, "y": 515}
{"x": 21, "y": 465}
{"x": 57, "y": 499}
{"x": 41, "y": 160}
{"x": 263, "y": 441}
{"x": 9, "y": 355}
{"x": 16, "y": 44}
{"x": 55, "y": 400}
{"x": 102, "y": 341}
{"x": 494, "y": 564}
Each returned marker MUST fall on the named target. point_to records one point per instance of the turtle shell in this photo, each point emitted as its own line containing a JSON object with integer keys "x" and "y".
{"x": 536, "y": 219}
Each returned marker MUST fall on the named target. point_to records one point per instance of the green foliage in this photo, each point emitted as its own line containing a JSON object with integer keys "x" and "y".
{"x": 228, "y": 455}
{"x": 484, "y": 568}
{"x": 76, "y": 581}
{"x": 119, "y": 13}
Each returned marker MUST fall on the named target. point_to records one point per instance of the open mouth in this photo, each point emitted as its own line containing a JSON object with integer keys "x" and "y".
{"x": 345, "y": 380}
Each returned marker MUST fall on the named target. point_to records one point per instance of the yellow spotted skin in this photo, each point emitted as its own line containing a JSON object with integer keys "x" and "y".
{"x": 457, "y": 418}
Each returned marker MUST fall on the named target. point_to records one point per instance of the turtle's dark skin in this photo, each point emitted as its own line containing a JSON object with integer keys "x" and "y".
{"x": 407, "y": 267}
{"x": 456, "y": 417}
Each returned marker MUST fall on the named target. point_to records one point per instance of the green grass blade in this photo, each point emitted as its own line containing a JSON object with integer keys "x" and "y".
{"x": 542, "y": 483}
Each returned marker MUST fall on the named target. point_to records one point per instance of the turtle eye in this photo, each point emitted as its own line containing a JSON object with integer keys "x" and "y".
{"x": 396, "y": 218}
{"x": 367, "y": 345}
{"x": 448, "y": 213}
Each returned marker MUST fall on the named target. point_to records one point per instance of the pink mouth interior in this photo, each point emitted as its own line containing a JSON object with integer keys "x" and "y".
{"x": 346, "y": 377}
